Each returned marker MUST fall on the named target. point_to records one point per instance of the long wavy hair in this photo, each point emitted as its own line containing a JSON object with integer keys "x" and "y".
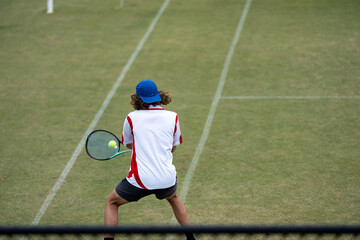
{"x": 139, "y": 104}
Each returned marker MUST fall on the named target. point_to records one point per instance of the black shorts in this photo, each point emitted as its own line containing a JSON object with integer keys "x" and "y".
{"x": 132, "y": 194}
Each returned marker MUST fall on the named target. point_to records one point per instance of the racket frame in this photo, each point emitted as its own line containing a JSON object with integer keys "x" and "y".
{"x": 116, "y": 154}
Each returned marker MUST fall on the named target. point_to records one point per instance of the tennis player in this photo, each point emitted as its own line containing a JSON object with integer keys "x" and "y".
{"x": 153, "y": 134}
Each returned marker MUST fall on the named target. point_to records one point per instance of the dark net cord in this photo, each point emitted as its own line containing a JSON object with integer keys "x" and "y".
{"x": 162, "y": 230}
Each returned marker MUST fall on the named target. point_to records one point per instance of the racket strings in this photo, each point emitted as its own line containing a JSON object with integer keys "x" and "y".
{"x": 98, "y": 145}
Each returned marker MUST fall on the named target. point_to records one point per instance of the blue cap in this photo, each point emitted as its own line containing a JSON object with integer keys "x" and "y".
{"x": 148, "y": 92}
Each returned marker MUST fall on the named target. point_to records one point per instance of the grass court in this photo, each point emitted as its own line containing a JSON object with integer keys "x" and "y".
{"x": 283, "y": 146}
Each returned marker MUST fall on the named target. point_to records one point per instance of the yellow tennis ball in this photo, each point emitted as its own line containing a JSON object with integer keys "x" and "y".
{"x": 112, "y": 144}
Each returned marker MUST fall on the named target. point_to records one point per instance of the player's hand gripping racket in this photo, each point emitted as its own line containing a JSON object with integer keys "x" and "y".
{"x": 103, "y": 145}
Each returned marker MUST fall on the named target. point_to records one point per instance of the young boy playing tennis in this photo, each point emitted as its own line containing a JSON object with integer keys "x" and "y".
{"x": 153, "y": 134}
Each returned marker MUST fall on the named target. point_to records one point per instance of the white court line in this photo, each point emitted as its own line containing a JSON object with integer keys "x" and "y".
{"x": 214, "y": 104}
{"x": 106, "y": 102}
{"x": 289, "y": 97}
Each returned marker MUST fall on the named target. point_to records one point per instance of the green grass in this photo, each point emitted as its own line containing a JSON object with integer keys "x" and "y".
{"x": 301, "y": 168}
{"x": 265, "y": 161}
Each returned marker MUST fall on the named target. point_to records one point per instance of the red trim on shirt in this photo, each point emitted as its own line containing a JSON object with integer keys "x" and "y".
{"x": 133, "y": 169}
{"x": 176, "y": 120}
{"x": 131, "y": 124}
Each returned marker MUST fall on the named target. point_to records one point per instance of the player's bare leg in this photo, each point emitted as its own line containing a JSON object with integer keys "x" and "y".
{"x": 113, "y": 202}
{"x": 180, "y": 212}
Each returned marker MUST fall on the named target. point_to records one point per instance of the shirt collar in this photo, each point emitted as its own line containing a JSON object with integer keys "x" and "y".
{"x": 157, "y": 107}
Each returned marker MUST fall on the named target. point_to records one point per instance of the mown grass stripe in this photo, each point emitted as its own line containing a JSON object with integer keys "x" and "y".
{"x": 103, "y": 107}
{"x": 214, "y": 104}
{"x": 289, "y": 97}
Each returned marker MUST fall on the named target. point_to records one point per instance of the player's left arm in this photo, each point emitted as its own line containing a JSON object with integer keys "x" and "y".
{"x": 177, "y": 138}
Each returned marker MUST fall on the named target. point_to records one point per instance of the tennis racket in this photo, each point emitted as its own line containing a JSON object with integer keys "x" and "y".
{"x": 103, "y": 145}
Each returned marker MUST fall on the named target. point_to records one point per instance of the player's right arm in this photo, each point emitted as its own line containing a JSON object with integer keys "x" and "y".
{"x": 127, "y": 138}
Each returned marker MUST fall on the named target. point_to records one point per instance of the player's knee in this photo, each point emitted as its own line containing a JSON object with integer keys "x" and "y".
{"x": 115, "y": 200}
{"x": 172, "y": 198}
{"x": 111, "y": 201}
{"x": 108, "y": 200}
